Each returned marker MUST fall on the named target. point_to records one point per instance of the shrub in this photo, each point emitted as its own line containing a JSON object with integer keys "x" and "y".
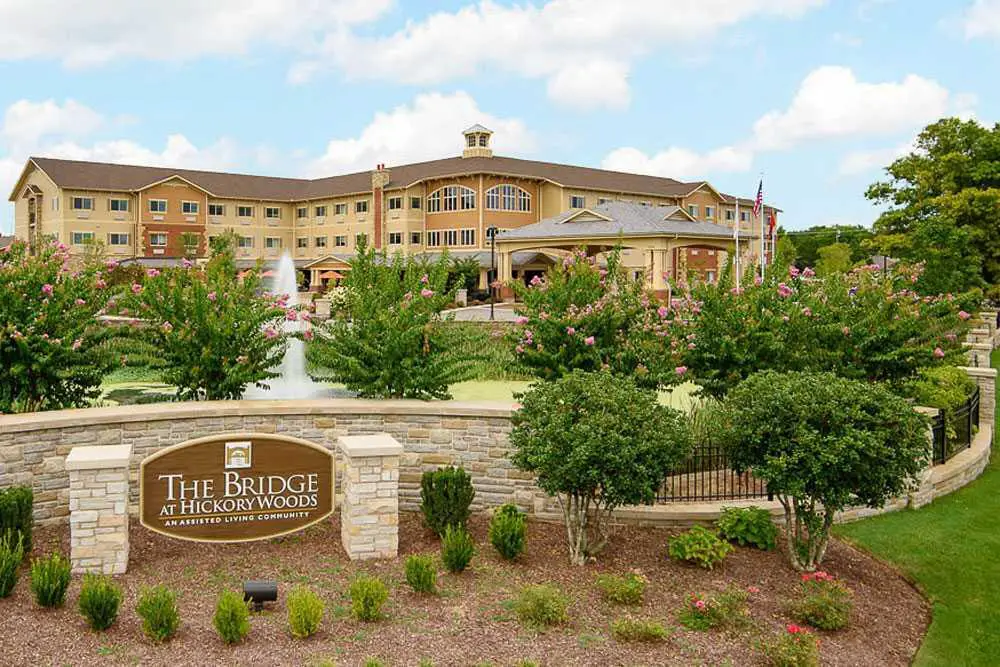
{"x": 305, "y": 612}
{"x": 457, "y": 549}
{"x": 445, "y": 497}
{"x": 49, "y": 580}
{"x": 597, "y": 441}
{"x": 622, "y": 590}
{"x": 421, "y": 574}
{"x": 748, "y": 526}
{"x": 232, "y": 617}
{"x": 727, "y": 609}
{"x": 11, "y": 555}
{"x": 368, "y": 594}
{"x": 946, "y": 388}
{"x": 823, "y": 602}
{"x": 16, "y": 514}
{"x": 374, "y": 662}
{"x": 822, "y": 443}
{"x": 700, "y": 546}
{"x": 507, "y": 531}
{"x": 157, "y": 607}
{"x": 99, "y": 601}
{"x": 793, "y": 648}
{"x": 633, "y": 630}
{"x": 541, "y": 606}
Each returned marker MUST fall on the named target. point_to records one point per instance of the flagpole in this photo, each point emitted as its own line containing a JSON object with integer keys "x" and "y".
{"x": 763, "y": 257}
{"x": 736, "y": 239}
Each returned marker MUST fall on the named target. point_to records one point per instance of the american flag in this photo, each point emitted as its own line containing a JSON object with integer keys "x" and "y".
{"x": 759, "y": 201}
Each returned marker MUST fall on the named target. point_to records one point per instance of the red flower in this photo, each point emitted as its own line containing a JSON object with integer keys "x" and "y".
{"x": 793, "y": 629}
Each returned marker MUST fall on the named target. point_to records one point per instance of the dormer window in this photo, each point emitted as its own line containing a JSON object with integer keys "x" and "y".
{"x": 470, "y": 140}
{"x": 477, "y": 142}
{"x": 484, "y": 140}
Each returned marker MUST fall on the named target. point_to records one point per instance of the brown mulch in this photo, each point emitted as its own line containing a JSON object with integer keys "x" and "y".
{"x": 469, "y": 622}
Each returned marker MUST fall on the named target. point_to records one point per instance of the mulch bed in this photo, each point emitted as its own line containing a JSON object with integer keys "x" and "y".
{"x": 469, "y": 622}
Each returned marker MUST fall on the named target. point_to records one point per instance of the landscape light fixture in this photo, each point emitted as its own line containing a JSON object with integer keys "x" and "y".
{"x": 259, "y": 591}
{"x": 491, "y": 234}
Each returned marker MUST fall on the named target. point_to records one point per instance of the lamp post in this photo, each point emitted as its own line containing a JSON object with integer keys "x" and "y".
{"x": 491, "y": 234}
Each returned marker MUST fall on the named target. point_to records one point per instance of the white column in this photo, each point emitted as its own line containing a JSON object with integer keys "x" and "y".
{"x": 369, "y": 511}
{"x": 98, "y": 508}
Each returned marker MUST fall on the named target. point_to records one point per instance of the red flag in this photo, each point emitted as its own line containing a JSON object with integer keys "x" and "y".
{"x": 772, "y": 222}
{"x": 759, "y": 201}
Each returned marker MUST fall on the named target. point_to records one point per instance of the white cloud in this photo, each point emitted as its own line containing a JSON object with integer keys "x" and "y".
{"x": 590, "y": 85}
{"x": 982, "y": 19}
{"x": 26, "y": 122}
{"x": 94, "y": 33}
{"x": 426, "y": 129}
{"x": 679, "y": 163}
{"x": 863, "y": 161}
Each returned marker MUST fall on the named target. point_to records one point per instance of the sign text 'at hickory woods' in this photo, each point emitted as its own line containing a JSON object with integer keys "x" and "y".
{"x": 236, "y": 487}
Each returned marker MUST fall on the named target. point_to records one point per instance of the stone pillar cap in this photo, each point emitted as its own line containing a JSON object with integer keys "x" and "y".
{"x": 106, "y": 456}
{"x": 380, "y": 444}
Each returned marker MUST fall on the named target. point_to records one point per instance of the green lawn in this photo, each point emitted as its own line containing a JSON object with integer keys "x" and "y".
{"x": 951, "y": 549}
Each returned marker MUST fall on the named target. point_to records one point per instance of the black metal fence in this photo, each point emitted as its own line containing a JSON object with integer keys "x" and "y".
{"x": 954, "y": 431}
{"x": 706, "y": 475}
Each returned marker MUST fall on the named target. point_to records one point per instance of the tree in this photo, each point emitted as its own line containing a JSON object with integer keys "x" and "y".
{"x": 809, "y": 241}
{"x": 582, "y": 316}
{"x": 463, "y": 274}
{"x": 834, "y": 258}
{"x": 596, "y": 441}
{"x": 822, "y": 443}
{"x": 50, "y": 338}
{"x": 213, "y": 331}
{"x": 393, "y": 344}
{"x": 943, "y": 199}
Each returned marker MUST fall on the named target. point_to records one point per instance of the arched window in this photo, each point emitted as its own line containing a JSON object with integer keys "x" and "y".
{"x": 507, "y": 197}
{"x": 451, "y": 198}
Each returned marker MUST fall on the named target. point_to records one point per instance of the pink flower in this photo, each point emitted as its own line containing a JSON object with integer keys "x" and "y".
{"x": 536, "y": 280}
{"x": 691, "y": 346}
{"x": 847, "y": 331}
{"x": 808, "y": 273}
{"x": 663, "y": 311}
{"x": 753, "y": 589}
{"x": 136, "y": 288}
{"x": 952, "y": 337}
{"x": 111, "y": 263}
{"x": 80, "y": 302}
{"x": 757, "y": 280}
{"x": 242, "y": 359}
{"x": 307, "y": 334}
{"x": 938, "y": 352}
{"x": 291, "y": 315}
{"x": 589, "y": 340}
{"x": 47, "y": 289}
{"x": 699, "y": 604}
{"x": 784, "y": 318}
{"x": 570, "y": 331}
{"x": 521, "y": 319}
{"x": 100, "y": 284}
{"x": 964, "y": 315}
{"x": 793, "y": 629}
{"x": 807, "y": 311}
{"x": 306, "y": 317}
{"x": 784, "y": 290}
{"x": 187, "y": 263}
{"x": 210, "y": 296}
{"x": 793, "y": 271}
{"x": 519, "y": 349}
{"x": 426, "y": 292}
{"x": 167, "y": 327}
{"x": 681, "y": 370}
{"x": 424, "y": 280}
{"x": 77, "y": 343}
{"x": 269, "y": 332}
{"x": 152, "y": 273}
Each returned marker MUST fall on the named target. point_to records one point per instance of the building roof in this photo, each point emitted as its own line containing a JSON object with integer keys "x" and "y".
{"x": 617, "y": 218}
{"x": 6, "y": 241}
{"x": 478, "y": 128}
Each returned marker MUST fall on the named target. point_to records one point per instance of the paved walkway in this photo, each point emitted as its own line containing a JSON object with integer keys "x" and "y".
{"x": 503, "y": 312}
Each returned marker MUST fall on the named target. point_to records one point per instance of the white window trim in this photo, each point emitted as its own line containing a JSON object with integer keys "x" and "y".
{"x": 86, "y": 236}
{"x": 573, "y": 198}
{"x": 72, "y": 201}
{"x": 125, "y": 234}
{"x": 502, "y": 192}
{"x": 159, "y": 201}
{"x": 111, "y": 202}
{"x": 240, "y": 215}
{"x": 197, "y": 207}
{"x": 462, "y": 232}
{"x": 459, "y": 193}
{"x": 267, "y": 212}
{"x": 166, "y": 239}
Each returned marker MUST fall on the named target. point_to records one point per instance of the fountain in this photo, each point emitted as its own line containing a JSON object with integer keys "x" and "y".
{"x": 292, "y": 381}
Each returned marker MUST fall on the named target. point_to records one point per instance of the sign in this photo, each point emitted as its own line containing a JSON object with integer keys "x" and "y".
{"x": 236, "y": 487}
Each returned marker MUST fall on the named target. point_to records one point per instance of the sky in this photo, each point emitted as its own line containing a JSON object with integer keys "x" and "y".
{"x": 818, "y": 96}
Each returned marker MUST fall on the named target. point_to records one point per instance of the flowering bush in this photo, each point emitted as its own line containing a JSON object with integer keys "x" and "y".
{"x": 49, "y": 335}
{"x": 823, "y": 602}
{"x": 213, "y": 332}
{"x": 728, "y": 609}
{"x": 795, "y": 647}
{"x": 582, "y": 316}
{"x": 861, "y": 325}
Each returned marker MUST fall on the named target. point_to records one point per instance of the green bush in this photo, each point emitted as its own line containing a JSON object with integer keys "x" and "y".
{"x": 100, "y": 599}
{"x": 445, "y": 497}
{"x": 823, "y": 602}
{"x": 946, "y": 388}
{"x": 368, "y": 594}
{"x": 633, "y": 630}
{"x": 11, "y": 555}
{"x": 700, "y": 546}
{"x": 157, "y": 607}
{"x": 748, "y": 526}
{"x": 541, "y": 605}
{"x": 508, "y": 530}
{"x": 421, "y": 574}
{"x": 232, "y": 617}
{"x": 457, "y": 549}
{"x": 793, "y": 648}
{"x": 16, "y": 507}
{"x": 305, "y": 612}
{"x": 726, "y": 609}
{"x": 622, "y": 590}
{"x": 372, "y": 661}
{"x": 49, "y": 580}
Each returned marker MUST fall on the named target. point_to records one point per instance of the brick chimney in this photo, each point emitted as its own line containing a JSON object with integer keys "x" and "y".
{"x": 380, "y": 178}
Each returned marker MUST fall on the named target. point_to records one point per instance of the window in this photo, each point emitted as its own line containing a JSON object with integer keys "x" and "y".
{"x": 302, "y": 242}
{"x": 743, "y": 216}
{"x": 468, "y": 237}
{"x": 577, "y": 202}
{"x": 361, "y": 206}
{"x": 245, "y": 242}
{"x": 360, "y": 239}
{"x": 507, "y": 197}
{"x": 693, "y": 210}
{"x": 272, "y": 212}
{"x": 189, "y": 207}
{"x": 302, "y": 212}
{"x": 483, "y": 139}
{"x": 320, "y": 241}
{"x": 159, "y": 239}
{"x": 414, "y": 238}
{"x": 710, "y": 276}
{"x": 118, "y": 205}
{"x": 694, "y": 252}
{"x": 340, "y": 241}
{"x": 117, "y": 239}
{"x": 729, "y": 214}
{"x": 451, "y": 198}
{"x": 244, "y": 211}
{"x": 216, "y": 209}
{"x": 451, "y": 237}
{"x": 272, "y": 242}
{"x": 395, "y": 203}
{"x": 79, "y": 238}
{"x": 395, "y": 238}
{"x": 83, "y": 203}
{"x": 157, "y": 205}
{"x": 711, "y": 253}
{"x": 321, "y": 211}
{"x": 338, "y": 209}
{"x": 433, "y": 239}
{"x": 709, "y": 212}
{"x": 55, "y": 204}
{"x": 415, "y": 203}
{"x": 471, "y": 140}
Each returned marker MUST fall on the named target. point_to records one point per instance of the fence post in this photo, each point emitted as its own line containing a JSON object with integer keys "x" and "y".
{"x": 986, "y": 378}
